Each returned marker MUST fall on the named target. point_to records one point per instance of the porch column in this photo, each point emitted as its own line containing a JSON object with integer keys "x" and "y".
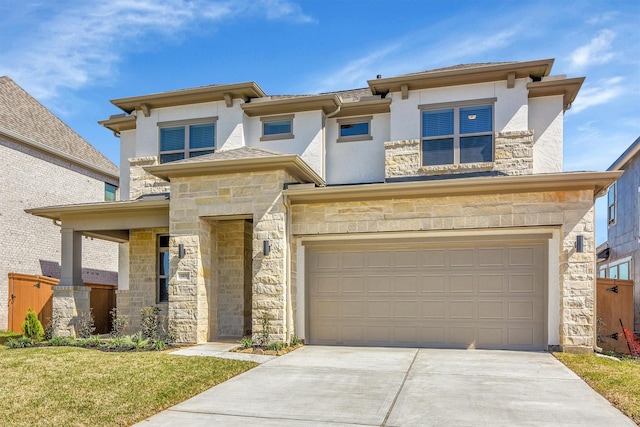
{"x": 70, "y": 297}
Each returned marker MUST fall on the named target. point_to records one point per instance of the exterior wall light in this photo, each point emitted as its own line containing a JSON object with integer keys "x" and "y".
{"x": 266, "y": 248}
{"x": 580, "y": 243}
{"x": 181, "y": 251}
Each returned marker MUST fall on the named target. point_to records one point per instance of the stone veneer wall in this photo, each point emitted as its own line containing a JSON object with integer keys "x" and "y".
{"x": 231, "y": 277}
{"x": 142, "y": 277}
{"x": 141, "y": 182}
{"x": 570, "y": 210}
{"x": 513, "y": 155}
{"x": 193, "y": 200}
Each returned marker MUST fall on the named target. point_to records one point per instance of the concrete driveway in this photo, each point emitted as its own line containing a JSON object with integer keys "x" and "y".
{"x": 346, "y": 386}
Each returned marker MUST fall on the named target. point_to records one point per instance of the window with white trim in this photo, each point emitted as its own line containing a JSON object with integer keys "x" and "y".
{"x": 277, "y": 127}
{"x": 163, "y": 269}
{"x": 457, "y": 134}
{"x": 354, "y": 129}
{"x": 611, "y": 204}
{"x": 181, "y": 140}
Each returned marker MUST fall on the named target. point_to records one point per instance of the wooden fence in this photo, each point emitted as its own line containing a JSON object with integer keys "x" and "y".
{"x": 36, "y": 292}
{"x": 614, "y": 303}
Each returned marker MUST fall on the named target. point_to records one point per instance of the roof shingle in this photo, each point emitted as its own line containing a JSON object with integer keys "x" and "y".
{"x": 22, "y": 114}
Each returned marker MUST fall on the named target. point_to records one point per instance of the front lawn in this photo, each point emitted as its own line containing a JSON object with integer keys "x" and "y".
{"x": 618, "y": 382}
{"x": 68, "y": 386}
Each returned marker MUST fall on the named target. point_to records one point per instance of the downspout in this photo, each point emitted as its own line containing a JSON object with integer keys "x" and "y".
{"x": 289, "y": 305}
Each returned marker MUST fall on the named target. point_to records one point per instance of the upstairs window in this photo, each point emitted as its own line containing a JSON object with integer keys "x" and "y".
{"x": 180, "y": 140}
{"x": 611, "y": 204}
{"x": 355, "y": 129}
{"x": 457, "y": 134}
{"x": 277, "y": 127}
{"x": 110, "y": 192}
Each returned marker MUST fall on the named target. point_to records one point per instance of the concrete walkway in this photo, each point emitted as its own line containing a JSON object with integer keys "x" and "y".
{"x": 345, "y": 386}
{"x": 221, "y": 350}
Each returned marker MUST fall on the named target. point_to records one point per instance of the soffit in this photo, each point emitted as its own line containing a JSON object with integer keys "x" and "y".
{"x": 567, "y": 87}
{"x": 365, "y": 107}
{"x": 596, "y": 181}
{"x": 478, "y": 73}
{"x": 119, "y": 123}
{"x": 246, "y": 91}
{"x": 328, "y": 103}
{"x": 240, "y": 160}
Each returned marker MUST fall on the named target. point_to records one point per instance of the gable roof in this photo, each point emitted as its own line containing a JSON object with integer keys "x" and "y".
{"x": 26, "y": 120}
{"x": 624, "y": 159}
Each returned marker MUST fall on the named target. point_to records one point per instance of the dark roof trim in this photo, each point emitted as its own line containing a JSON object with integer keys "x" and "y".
{"x": 626, "y": 157}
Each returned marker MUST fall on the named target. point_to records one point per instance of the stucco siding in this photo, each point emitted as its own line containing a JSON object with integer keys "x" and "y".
{"x": 32, "y": 245}
{"x": 546, "y": 120}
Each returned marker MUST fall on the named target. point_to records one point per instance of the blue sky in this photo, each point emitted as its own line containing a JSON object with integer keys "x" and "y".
{"x": 76, "y": 56}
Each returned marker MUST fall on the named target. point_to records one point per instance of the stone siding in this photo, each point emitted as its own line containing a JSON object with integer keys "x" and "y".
{"x": 143, "y": 262}
{"x": 572, "y": 211}
{"x": 29, "y": 179}
{"x": 141, "y": 182}
{"x": 513, "y": 156}
{"x": 198, "y": 200}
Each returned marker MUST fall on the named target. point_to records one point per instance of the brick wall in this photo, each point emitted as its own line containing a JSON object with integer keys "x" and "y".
{"x": 31, "y": 245}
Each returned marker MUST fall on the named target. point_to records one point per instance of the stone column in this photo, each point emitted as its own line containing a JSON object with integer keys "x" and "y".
{"x": 70, "y": 297}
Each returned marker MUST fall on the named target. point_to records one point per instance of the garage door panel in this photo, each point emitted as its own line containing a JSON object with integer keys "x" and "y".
{"x": 488, "y": 283}
{"x": 461, "y": 283}
{"x": 464, "y": 296}
{"x": 434, "y": 283}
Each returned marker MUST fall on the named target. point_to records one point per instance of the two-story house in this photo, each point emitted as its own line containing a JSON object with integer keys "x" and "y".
{"x": 428, "y": 209}
{"x": 619, "y": 256}
{"x": 43, "y": 161}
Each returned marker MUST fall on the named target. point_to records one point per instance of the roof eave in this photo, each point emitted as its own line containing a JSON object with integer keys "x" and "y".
{"x": 293, "y": 164}
{"x": 104, "y": 208}
{"x": 374, "y": 106}
{"x": 245, "y": 90}
{"x": 328, "y": 103}
{"x": 598, "y": 181}
{"x": 569, "y": 88}
{"x": 622, "y": 161}
{"x": 481, "y": 74}
{"x": 50, "y": 150}
{"x": 117, "y": 124}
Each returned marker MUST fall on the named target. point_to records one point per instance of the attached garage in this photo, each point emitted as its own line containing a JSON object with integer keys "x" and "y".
{"x": 470, "y": 293}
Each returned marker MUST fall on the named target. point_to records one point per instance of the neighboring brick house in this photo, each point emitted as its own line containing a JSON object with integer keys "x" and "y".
{"x": 618, "y": 257}
{"x": 43, "y": 161}
{"x": 428, "y": 209}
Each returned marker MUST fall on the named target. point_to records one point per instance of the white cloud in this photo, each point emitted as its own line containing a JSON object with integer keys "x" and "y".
{"x": 77, "y": 45}
{"x": 604, "y": 91}
{"x": 596, "y": 52}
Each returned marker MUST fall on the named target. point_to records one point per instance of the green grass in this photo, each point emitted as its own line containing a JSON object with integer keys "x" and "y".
{"x": 618, "y": 382}
{"x": 67, "y": 386}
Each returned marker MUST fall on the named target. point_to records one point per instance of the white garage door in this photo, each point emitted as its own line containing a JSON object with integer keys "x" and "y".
{"x": 464, "y": 295}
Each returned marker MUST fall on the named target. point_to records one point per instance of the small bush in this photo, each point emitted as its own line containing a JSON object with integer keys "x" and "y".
{"x": 52, "y": 325}
{"x": 171, "y": 333}
{"x": 118, "y": 323}
{"x": 138, "y": 341}
{"x": 6, "y": 336}
{"x": 86, "y": 325}
{"x": 265, "y": 332}
{"x": 32, "y": 328}
{"x": 150, "y": 322}
{"x": 276, "y": 346}
{"x": 295, "y": 340}
{"x": 21, "y": 342}
{"x": 246, "y": 342}
{"x": 61, "y": 341}
{"x": 160, "y": 345}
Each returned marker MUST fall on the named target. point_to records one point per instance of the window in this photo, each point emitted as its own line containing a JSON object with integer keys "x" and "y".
{"x": 619, "y": 271}
{"x": 457, "y": 133}
{"x": 180, "y": 140}
{"x": 110, "y": 192}
{"x": 163, "y": 268}
{"x": 355, "y": 129}
{"x": 602, "y": 272}
{"x": 611, "y": 204}
{"x": 277, "y": 127}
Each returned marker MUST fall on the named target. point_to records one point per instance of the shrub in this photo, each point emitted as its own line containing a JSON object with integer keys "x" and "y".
{"x": 138, "y": 341}
{"x": 32, "y": 328}
{"x": 61, "y": 341}
{"x": 276, "y": 346}
{"x": 6, "y": 336}
{"x": 150, "y": 322}
{"x": 52, "y": 326}
{"x": 170, "y": 334}
{"x": 264, "y": 334}
{"x": 159, "y": 345}
{"x": 295, "y": 340}
{"x": 118, "y": 323}
{"x": 86, "y": 325}
{"x": 246, "y": 342}
{"x": 20, "y": 342}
